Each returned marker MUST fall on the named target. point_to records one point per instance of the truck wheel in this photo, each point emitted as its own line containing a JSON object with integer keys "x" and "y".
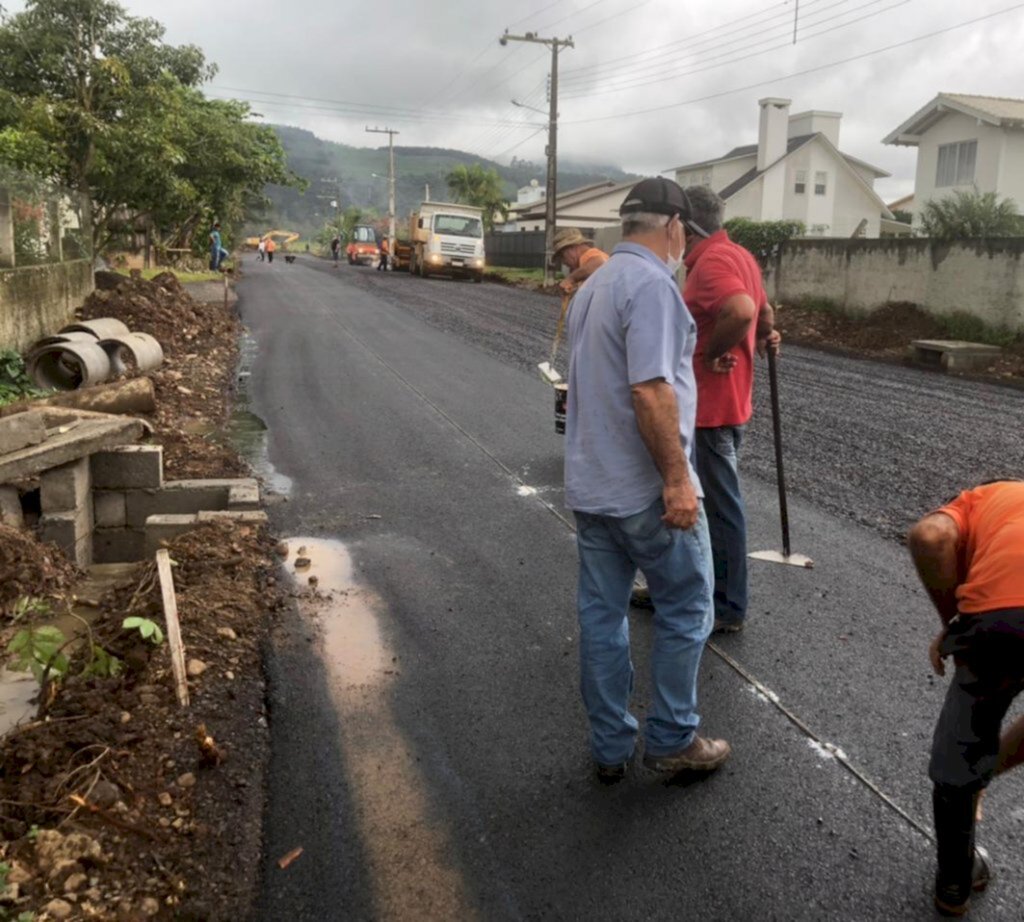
{"x": 423, "y": 269}
{"x": 478, "y": 277}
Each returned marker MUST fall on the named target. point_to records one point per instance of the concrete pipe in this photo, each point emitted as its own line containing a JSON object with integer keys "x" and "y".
{"x": 100, "y": 328}
{"x": 132, "y": 354}
{"x": 68, "y": 366}
{"x": 76, "y": 336}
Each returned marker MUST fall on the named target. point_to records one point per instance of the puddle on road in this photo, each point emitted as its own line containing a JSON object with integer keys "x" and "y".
{"x": 245, "y": 431}
{"x": 408, "y": 847}
{"x": 18, "y": 690}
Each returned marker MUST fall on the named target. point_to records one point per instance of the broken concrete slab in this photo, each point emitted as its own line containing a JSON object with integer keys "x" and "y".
{"x": 183, "y": 497}
{"x": 953, "y": 354}
{"x": 164, "y": 528}
{"x": 244, "y": 496}
{"x": 20, "y": 431}
{"x": 66, "y": 488}
{"x": 249, "y": 517}
{"x": 11, "y": 513}
{"x": 129, "y": 467}
{"x": 89, "y": 435}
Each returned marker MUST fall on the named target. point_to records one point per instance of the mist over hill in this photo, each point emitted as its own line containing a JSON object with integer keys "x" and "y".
{"x": 331, "y": 168}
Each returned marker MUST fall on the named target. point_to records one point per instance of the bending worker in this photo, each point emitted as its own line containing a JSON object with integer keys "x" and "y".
{"x": 970, "y": 557}
{"x": 578, "y": 255}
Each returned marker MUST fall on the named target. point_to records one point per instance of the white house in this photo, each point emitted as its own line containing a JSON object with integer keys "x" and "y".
{"x": 592, "y": 206}
{"x": 795, "y": 172}
{"x": 966, "y": 142}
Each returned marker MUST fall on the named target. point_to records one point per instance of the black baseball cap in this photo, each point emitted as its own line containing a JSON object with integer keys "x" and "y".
{"x": 657, "y": 195}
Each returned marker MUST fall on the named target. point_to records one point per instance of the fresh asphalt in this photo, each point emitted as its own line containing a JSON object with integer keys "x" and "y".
{"x": 414, "y": 431}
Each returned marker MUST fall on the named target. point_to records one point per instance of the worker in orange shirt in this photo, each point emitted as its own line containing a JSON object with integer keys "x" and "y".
{"x": 578, "y": 255}
{"x": 271, "y": 246}
{"x": 970, "y": 557}
{"x": 385, "y": 249}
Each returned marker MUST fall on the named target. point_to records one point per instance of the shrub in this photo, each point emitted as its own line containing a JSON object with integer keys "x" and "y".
{"x": 763, "y": 238}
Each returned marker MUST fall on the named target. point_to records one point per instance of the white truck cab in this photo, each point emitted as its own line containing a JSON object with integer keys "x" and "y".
{"x": 447, "y": 239}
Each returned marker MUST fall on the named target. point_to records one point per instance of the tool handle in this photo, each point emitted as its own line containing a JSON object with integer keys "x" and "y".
{"x": 773, "y": 381}
{"x": 561, "y": 326}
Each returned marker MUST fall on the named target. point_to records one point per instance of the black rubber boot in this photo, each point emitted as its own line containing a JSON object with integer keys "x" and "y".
{"x": 962, "y": 868}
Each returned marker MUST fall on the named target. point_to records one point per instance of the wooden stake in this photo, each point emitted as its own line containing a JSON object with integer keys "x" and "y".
{"x": 163, "y": 569}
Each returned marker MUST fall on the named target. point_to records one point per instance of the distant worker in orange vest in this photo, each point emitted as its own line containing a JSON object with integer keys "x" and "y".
{"x": 384, "y": 252}
{"x": 578, "y": 255}
{"x": 271, "y": 246}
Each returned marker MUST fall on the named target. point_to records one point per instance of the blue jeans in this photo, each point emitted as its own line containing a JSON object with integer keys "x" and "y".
{"x": 677, "y": 565}
{"x": 717, "y": 466}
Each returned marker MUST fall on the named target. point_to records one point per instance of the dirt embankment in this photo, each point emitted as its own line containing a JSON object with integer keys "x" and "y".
{"x": 115, "y": 802}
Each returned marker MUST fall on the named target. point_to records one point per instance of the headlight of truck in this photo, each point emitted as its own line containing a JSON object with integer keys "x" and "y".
{"x": 479, "y": 263}
{"x": 435, "y": 257}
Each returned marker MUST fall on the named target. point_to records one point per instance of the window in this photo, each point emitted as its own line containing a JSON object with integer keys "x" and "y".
{"x": 457, "y": 225}
{"x": 956, "y": 163}
{"x": 820, "y": 182}
{"x": 800, "y": 185}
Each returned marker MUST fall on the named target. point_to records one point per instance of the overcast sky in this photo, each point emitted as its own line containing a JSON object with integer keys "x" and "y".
{"x": 434, "y": 70}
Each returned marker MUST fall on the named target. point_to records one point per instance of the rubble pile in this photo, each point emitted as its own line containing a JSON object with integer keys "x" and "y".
{"x": 30, "y": 568}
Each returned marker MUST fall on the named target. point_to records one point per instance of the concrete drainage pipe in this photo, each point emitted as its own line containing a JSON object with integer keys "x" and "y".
{"x": 132, "y": 353}
{"x": 100, "y": 328}
{"x": 69, "y": 365}
{"x": 75, "y": 337}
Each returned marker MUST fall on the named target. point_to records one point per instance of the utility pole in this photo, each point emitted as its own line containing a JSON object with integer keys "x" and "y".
{"x": 796, "y": 19}
{"x": 556, "y": 45}
{"x": 390, "y": 132}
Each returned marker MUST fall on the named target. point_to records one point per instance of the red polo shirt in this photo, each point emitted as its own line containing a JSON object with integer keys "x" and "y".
{"x": 717, "y": 269}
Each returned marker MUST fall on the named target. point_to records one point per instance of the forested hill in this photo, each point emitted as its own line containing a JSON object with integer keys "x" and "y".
{"x": 321, "y": 162}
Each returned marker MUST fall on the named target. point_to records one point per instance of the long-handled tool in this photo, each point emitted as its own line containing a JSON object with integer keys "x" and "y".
{"x": 547, "y": 369}
{"x": 787, "y": 556}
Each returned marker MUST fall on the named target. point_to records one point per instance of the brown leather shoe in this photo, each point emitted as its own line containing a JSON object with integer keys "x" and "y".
{"x": 702, "y": 755}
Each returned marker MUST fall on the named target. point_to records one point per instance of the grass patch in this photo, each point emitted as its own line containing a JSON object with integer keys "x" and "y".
{"x": 515, "y": 276}
{"x": 205, "y": 276}
{"x": 961, "y": 325}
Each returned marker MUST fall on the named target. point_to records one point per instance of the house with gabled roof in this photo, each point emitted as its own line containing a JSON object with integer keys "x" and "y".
{"x": 795, "y": 172}
{"x": 591, "y": 206}
{"x": 975, "y": 143}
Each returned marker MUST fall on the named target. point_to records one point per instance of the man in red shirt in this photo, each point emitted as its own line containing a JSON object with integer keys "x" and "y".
{"x": 725, "y": 294}
{"x": 970, "y": 557}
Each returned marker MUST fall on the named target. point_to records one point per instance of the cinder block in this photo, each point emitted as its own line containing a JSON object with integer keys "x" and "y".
{"x": 244, "y": 496}
{"x": 130, "y": 467}
{"x": 232, "y": 515}
{"x": 65, "y": 488}
{"x": 71, "y": 532}
{"x": 20, "y": 431}
{"x": 181, "y": 497}
{"x": 162, "y": 528}
{"x": 109, "y": 509}
{"x": 11, "y": 514}
{"x": 118, "y": 545}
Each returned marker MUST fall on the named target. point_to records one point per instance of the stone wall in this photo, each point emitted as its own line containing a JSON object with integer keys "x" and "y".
{"x": 980, "y": 277}
{"x": 39, "y": 300}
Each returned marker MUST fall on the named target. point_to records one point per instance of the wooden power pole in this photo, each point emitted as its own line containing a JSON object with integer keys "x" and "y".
{"x": 390, "y": 132}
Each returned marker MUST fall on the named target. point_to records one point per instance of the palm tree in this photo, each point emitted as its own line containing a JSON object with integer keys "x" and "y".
{"x": 971, "y": 214}
{"x": 473, "y": 185}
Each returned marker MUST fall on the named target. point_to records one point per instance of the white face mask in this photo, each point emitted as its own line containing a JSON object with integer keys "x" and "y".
{"x": 674, "y": 262}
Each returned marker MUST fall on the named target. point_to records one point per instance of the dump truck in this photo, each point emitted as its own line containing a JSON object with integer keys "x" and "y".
{"x": 445, "y": 239}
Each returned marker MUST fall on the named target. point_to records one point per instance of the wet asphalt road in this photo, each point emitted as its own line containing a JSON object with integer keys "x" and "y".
{"x": 415, "y": 401}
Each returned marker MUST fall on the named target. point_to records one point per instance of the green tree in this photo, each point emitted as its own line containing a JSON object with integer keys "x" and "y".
{"x": 473, "y": 185}
{"x": 964, "y": 215}
{"x": 93, "y": 99}
{"x": 762, "y": 238}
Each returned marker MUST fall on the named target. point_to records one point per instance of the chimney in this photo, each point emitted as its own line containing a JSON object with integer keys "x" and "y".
{"x": 772, "y": 131}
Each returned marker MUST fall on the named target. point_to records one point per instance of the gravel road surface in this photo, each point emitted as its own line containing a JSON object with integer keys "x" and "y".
{"x": 415, "y": 431}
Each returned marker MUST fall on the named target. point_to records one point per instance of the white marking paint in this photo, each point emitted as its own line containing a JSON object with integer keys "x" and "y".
{"x": 763, "y": 693}
{"x": 524, "y": 490}
{"x": 826, "y": 750}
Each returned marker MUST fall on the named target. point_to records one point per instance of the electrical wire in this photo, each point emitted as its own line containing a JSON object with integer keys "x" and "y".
{"x": 800, "y": 73}
{"x": 631, "y": 9}
{"x": 638, "y": 82}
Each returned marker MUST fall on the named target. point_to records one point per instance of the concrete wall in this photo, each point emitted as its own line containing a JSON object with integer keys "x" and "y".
{"x": 984, "y": 278}
{"x": 38, "y": 300}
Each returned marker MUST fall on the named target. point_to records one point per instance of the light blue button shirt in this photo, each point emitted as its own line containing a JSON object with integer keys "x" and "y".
{"x": 627, "y": 324}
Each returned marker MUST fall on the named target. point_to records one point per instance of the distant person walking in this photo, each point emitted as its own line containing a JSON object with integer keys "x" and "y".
{"x": 725, "y": 294}
{"x": 271, "y": 246}
{"x": 970, "y": 557}
{"x": 578, "y": 255}
{"x": 336, "y": 249}
{"x": 261, "y": 249}
{"x": 385, "y": 252}
{"x": 631, "y": 482}
{"x": 217, "y": 252}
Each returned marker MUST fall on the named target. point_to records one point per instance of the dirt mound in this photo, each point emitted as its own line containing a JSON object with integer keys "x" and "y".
{"x": 30, "y": 568}
{"x": 144, "y": 809}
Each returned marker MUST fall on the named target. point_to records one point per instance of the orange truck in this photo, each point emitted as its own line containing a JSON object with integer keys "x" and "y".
{"x": 362, "y": 249}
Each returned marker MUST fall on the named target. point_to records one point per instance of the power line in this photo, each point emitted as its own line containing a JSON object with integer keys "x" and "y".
{"x": 543, "y": 9}
{"x": 695, "y": 49}
{"x": 572, "y": 15}
{"x": 800, "y": 73}
{"x": 640, "y": 81}
{"x": 631, "y": 9}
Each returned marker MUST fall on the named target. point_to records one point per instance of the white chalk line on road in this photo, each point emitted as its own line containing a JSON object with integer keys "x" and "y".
{"x": 752, "y": 681}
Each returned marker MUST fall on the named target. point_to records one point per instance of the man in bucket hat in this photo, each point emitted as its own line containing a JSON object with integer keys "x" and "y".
{"x": 578, "y": 255}
{"x": 630, "y": 479}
